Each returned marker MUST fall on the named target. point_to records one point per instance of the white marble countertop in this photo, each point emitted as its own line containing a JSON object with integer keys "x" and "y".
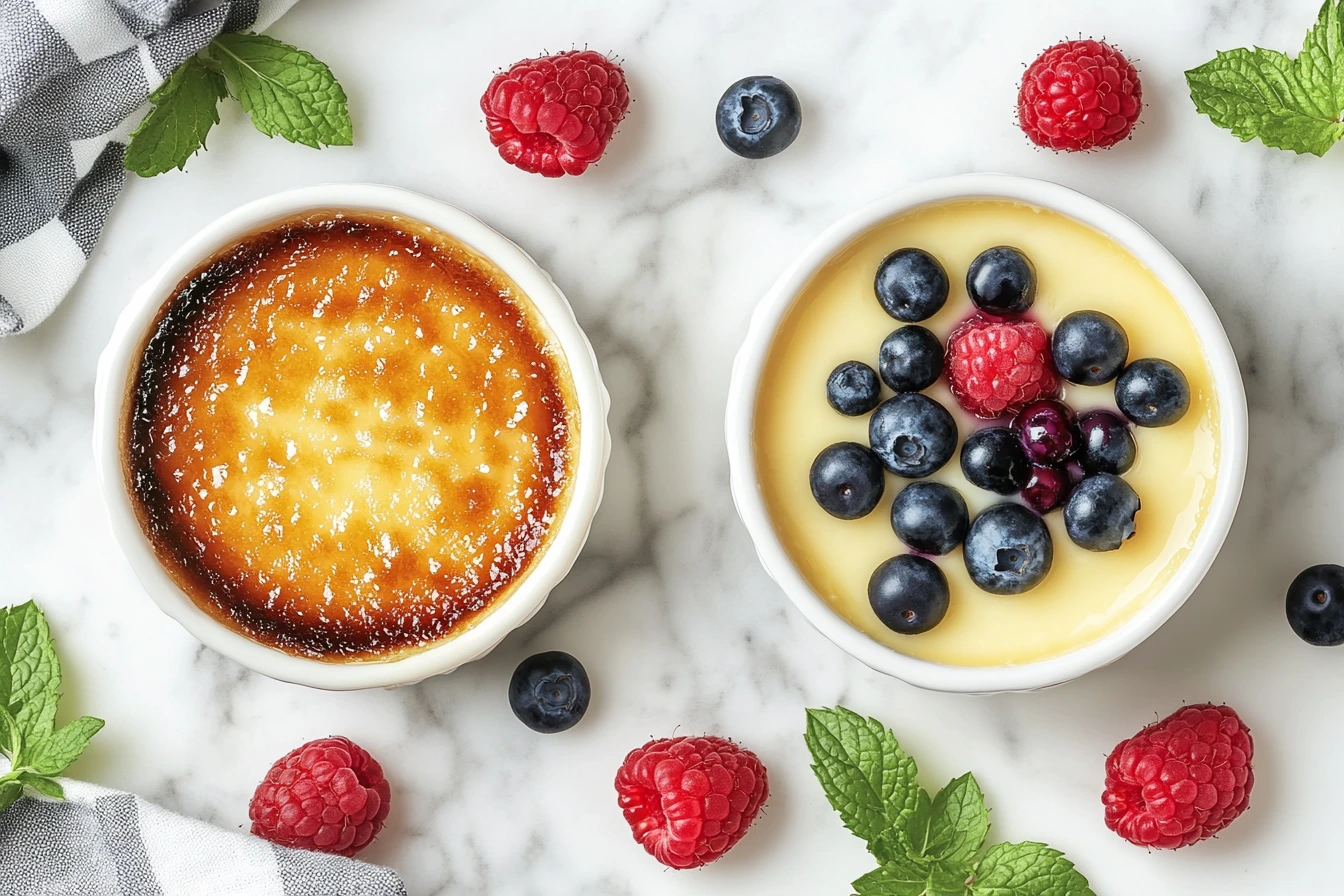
{"x": 663, "y": 249}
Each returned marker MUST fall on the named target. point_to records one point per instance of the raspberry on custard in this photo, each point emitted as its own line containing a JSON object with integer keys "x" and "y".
{"x": 1079, "y": 95}
{"x": 555, "y": 115}
{"x": 998, "y": 367}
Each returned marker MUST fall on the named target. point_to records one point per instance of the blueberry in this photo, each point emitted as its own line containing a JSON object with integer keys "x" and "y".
{"x": 549, "y": 692}
{"x": 1090, "y": 348}
{"x": 930, "y": 517}
{"x": 1048, "y": 431}
{"x": 853, "y": 388}
{"x": 910, "y": 359}
{"x": 1108, "y": 445}
{"x": 1001, "y": 281}
{"x": 909, "y": 594}
{"x": 992, "y": 459}
{"x": 912, "y": 435}
{"x": 1100, "y": 513}
{"x": 847, "y": 480}
{"x": 1008, "y": 550}
{"x": 1046, "y": 489}
{"x": 911, "y": 285}
{"x": 1152, "y": 392}
{"x": 758, "y": 117}
{"x": 1315, "y": 605}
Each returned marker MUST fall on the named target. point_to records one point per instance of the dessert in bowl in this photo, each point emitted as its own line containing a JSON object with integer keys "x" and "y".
{"x": 350, "y": 436}
{"x": 1082, "y": 602}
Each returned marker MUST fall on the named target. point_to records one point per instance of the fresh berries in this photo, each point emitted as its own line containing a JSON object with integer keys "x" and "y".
{"x": 1107, "y": 444}
{"x": 1100, "y": 513}
{"x": 1001, "y": 281}
{"x": 1315, "y": 605}
{"x": 930, "y": 517}
{"x": 847, "y": 480}
{"x": 1008, "y": 550}
{"x": 1152, "y": 392}
{"x": 912, "y": 435}
{"x": 549, "y": 692}
{"x": 1047, "y": 430}
{"x": 909, "y": 594}
{"x": 997, "y": 367}
{"x": 688, "y": 800}
{"x": 1046, "y": 489}
{"x": 328, "y": 795}
{"x": 1180, "y": 780}
{"x": 993, "y": 460}
{"x": 758, "y": 117}
{"x": 555, "y": 115}
{"x": 1079, "y": 95}
{"x": 911, "y": 285}
{"x": 910, "y": 359}
{"x": 1089, "y": 348}
{"x": 853, "y": 388}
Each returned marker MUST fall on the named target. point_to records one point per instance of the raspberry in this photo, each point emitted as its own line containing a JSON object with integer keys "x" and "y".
{"x": 688, "y": 800}
{"x": 1180, "y": 780}
{"x": 554, "y": 115}
{"x": 998, "y": 367}
{"x": 1079, "y": 95}
{"x": 328, "y": 795}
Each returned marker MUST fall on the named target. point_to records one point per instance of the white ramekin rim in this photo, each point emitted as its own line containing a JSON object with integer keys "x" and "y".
{"x": 739, "y": 425}
{"x": 594, "y": 450}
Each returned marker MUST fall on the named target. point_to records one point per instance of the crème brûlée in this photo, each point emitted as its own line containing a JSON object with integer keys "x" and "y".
{"x": 349, "y": 436}
{"x": 836, "y": 318}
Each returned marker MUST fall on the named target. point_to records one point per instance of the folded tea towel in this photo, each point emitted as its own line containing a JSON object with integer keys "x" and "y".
{"x": 74, "y": 76}
{"x": 102, "y": 842}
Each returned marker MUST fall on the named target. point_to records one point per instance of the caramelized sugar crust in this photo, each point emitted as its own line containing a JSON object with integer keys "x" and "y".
{"x": 349, "y": 436}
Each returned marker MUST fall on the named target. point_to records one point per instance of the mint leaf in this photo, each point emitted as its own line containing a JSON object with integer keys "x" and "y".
{"x": 863, "y": 771}
{"x": 45, "y": 786}
{"x": 908, "y": 878}
{"x": 185, "y": 108}
{"x": 1028, "y": 869}
{"x": 11, "y": 738}
{"x": 915, "y": 834}
{"x": 1285, "y": 103}
{"x": 9, "y": 792}
{"x": 285, "y": 90}
{"x": 960, "y": 821}
{"x": 52, "y": 754}
{"x": 29, "y": 669}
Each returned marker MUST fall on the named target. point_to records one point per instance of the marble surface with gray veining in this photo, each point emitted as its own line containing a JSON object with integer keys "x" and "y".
{"x": 663, "y": 249}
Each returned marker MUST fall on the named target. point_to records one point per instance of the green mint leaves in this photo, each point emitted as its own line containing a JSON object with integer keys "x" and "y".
{"x": 1295, "y": 104}
{"x": 924, "y": 846}
{"x": 30, "y": 683}
{"x": 284, "y": 90}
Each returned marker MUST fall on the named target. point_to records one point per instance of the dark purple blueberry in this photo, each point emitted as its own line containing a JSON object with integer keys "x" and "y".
{"x": 911, "y": 285}
{"x": 1152, "y": 392}
{"x": 1316, "y": 605}
{"x": 910, "y": 359}
{"x": 758, "y": 117}
{"x": 847, "y": 480}
{"x": 1100, "y": 513}
{"x": 1089, "y": 348}
{"x": 993, "y": 460}
{"x": 549, "y": 692}
{"x": 909, "y": 594}
{"x": 930, "y": 517}
{"x": 853, "y": 388}
{"x": 1008, "y": 550}
{"x": 1107, "y": 444}
{"x": 1047, "y": 431}
{"x": 1046, "y": 489}
{"x": 1001, "y": 281}
{"x": 912, "y": 435}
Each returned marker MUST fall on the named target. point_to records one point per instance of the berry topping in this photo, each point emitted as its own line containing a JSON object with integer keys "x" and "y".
{"x": 993, "y": 460}
{"x": 1001, "y": 281}
{"x": 758, "y": 117}
{"x": 912, "y": 435}
{"x": 549, "y": 692}
{"x": 688, "y": 800}
{"x": 1079, "y": 95}
{"x": 1047, "y": 431}
{"x": 998, "y": 367}
{"x": 910, "y": 359}
{"x": 1046, "y": 489}
{"x": 1152, "y": 392}
{"x": 930, "y": 517}
{"x": 1008, "y": 550}
{"x": 1107, "y": 444}
{"x": 554, "y": 115}
{"x": 1180, "y": 780}
{"x": 1090, "y": 348}
{"x": 1100, "y": 513}
{"x": 328, "y": 795}
{"x": 909, "y": 594}
{"x": 1316, "y": 605}
{"x": 847, "y": 480}
{"x": 853, "y": 388}
{"x": 911, "y": 285}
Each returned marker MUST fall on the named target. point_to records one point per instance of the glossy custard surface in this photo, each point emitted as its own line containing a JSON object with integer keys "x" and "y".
{"x": 350, "y": 436}
{"x": 837, "y": 318}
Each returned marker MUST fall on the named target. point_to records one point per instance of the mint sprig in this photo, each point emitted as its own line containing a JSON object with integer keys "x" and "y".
{"x": 284, "y": 90}
{"x": 1286, "y": 103}
{"x": 30, "y": 688}
{"x": 924, "y": 846}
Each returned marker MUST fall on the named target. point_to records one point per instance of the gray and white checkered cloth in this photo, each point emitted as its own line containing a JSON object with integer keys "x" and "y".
{"x": 74, "y": 76}
{"x": 103, "y": 842}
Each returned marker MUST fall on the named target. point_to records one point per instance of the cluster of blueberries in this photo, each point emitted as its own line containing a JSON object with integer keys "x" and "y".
{"x": 1047, "y": 455}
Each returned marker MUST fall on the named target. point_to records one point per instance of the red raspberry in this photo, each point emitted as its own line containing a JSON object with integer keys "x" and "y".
{"x": 998, "y": 367}
{"x": 554, "y": 115}
{"x": 1079, "y": 95}
{"x": 688, "y": 800}
{"x": 1180, "y": 780}
{"x": 328, "y": 795}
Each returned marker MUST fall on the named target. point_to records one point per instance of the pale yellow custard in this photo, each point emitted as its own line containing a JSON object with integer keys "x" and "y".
{"x": 837, "y": 318}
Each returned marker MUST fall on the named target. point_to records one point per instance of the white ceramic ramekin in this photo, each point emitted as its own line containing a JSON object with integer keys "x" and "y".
{"x": 1232, "y": 431}
{"x": 122, "y": 356}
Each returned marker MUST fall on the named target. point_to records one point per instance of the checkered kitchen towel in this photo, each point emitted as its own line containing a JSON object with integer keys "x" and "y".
{"x": 103, "y": 842}
{"x": 74, "y": 75}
